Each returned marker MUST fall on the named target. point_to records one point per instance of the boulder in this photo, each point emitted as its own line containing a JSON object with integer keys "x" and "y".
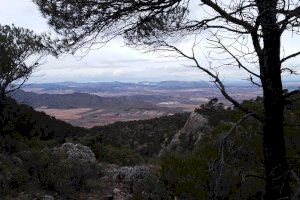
{"x": 118, "y": 194}
{"x": 77, "y": 152}
{"x": 47, "y": 197}
{"x": 136, "y": 174}
{"x": 133, "y": 180}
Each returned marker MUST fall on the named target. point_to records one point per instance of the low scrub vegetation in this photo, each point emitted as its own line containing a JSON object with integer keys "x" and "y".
{"x": 226, "y": 164}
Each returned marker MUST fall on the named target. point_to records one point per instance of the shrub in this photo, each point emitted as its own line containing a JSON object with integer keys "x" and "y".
{"x": 184, "y": 177}
{"x": 12, "y": 174}
{"x": 119, "y": 155}
{"x": 223, "y": 165}
{"x": 56, "y": 172}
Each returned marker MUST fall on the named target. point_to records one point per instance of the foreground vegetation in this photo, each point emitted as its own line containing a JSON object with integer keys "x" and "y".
{"x": 226, "y": 164}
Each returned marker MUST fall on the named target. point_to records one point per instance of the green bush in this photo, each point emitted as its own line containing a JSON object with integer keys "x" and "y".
{"x": 13, "y": 176}
{"x": 145, "y": 137}
{"x": 56, "y": 172}
{"x": 114, "y": 154}
{"x": 184, "y": 177}
{"x": 218, "y": 168}
{"x": 119, "y": 155}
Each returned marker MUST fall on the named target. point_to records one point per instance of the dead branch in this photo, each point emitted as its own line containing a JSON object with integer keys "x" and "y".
{"x": 292, "y": 93}
{"x": 290, "y": 56}
{"x": 219, "y": 84}
{"x": 240, "y": 65}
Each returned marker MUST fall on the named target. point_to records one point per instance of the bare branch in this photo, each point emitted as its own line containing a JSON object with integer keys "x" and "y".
{"x": 296, "y": 177}
{"x": 292, "y": 93}
{"x": 290, "y": 56}
{"x": 228, "y": 16}
{"x": 253, "y": 82}
{"x": 234, "y": 57}
{"x": 290, "y": 71}
{"x": 237, "y": 124}
{"x": 219, "y": 84}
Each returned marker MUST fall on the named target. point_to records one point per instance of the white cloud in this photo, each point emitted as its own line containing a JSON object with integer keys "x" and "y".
{"x": 114, "y": 61}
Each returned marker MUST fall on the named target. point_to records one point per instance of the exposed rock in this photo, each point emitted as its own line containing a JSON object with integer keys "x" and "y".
{"x": 121, "y": 195}
{"x": 188, "y": 136}
{"x": 33, "y": 196}
{"x": 47, "y": 197}
{"x": 77, "y": 152}
{"x": 121, "y": 183}
{"x": 136, "y": 174}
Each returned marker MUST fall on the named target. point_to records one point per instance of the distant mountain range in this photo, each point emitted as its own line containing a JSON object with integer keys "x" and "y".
{"x": 83, "y": 100}
{"x": 92, "y": 104}
{"x": 117, "y": 86}
{"x": 88, "y": 110}
{"x": 120, "y": 86}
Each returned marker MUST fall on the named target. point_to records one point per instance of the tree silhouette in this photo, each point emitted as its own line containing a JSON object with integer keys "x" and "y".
{"x": 20, "y": 52}
{"x": 17, "y": 46}
{"x": 152, "y": 23}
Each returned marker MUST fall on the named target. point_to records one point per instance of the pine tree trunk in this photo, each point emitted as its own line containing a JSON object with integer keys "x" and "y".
{"x": 276, "y": 168}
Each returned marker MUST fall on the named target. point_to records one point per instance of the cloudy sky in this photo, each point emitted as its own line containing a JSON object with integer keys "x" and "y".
{"x": 113, "y": 62}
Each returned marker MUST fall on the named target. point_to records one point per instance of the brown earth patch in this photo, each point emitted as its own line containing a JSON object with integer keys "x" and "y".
{"x": 65, "y": 114}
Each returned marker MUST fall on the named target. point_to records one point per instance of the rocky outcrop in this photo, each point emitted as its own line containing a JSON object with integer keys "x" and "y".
{"x": 190, "y": 135}
{"x": 132, "y": 180}
{"x": 136, "y": 174}
{"x": 47, "y": 197}
{"x": 123, "y": 182}
{"x": 118, "y": 194}
{"x": 77, "y": 152}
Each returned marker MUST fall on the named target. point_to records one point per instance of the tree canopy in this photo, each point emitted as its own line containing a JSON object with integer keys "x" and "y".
{"x": 20, "y": 52}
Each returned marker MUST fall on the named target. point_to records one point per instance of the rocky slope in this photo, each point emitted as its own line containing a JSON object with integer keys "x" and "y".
{"x": 124, "y": 182}
{"x": 186, "y": 138}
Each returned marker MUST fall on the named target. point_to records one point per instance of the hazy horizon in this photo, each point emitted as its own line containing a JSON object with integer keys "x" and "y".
{"x": 145, "y": 81}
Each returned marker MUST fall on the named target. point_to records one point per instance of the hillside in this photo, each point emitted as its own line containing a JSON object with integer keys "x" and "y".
{"x": 25, "y": 121}
{"x": 88, "y": 110}
{"x": 48, "y": 157}
{"x": 145, "y": 137}
{"x": 35, "y": 158}
{"x": 97, "y": 104}
{"x": 80, "y": 100}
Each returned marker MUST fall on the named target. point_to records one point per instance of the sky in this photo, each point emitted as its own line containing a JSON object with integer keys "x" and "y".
{"x": 114, "y": 61}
